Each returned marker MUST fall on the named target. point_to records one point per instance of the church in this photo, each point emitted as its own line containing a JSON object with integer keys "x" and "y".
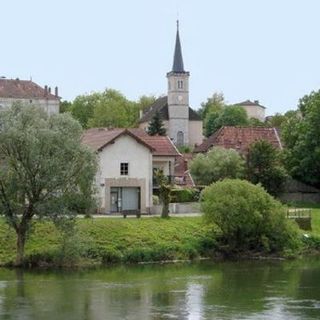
{"x": 183, "y": 125}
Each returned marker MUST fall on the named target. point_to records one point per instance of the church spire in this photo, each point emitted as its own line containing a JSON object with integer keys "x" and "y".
{"x": 177, "y": 59}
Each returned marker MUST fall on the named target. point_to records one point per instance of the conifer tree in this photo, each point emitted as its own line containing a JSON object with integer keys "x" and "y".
{"x": 156, "y": 126}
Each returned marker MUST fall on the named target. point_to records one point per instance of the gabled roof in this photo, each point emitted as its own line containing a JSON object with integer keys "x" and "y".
{"x": 23, "y": 89}
{"x": 240, "y": 138}
{"x": 99, "y": 138}
{"x": 250, "y": 103}
{"x": 161, "y": 106}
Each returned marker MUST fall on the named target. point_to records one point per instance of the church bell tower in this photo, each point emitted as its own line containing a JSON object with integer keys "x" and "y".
{"x": 178, "y": 97}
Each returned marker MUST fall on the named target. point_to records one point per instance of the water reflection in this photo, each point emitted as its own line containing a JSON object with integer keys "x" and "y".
{"x": 237, "y": 290}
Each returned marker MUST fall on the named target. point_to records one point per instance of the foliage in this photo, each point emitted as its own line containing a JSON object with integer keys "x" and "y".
{"x": 217, "y": 164}
{"x": 65, "y": 106}
{"x": 145, "y": 101}
{"x": 111, "y": 240}
{"x": 164, "y": 192}
{"x": 185, "y": 149}
{"x": 250, "y": 219}
{"x": 228, "y": 116}
{"x": 83, "y": 107}
{"x": 114, "y": 110}
{"x": 155, "y": 200}
{"x": 215, "y": 104}
{"x": 276, "y": 120}
{"x": 184, "y": 195}
{"x": 44, "y": 168}
{"x": 301, "y": 135}
{"x": 264, "y": 166}
{"x": 156, "y": 126}
{"x": 254, "y": 122}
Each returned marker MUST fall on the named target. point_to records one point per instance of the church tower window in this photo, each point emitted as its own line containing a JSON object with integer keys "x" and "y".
{"x": 180, "y": 84}
{"x": 180, "y": 138}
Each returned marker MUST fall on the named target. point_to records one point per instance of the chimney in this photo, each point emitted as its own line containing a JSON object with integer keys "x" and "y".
{"x": 256, "y": 101}
{"x": 140, "y": 114}
{"x": 185, "y": 165}
{"x": 45, "y": 90}
{"x": 56, "y": 91}
{"x": 49, "y": 90}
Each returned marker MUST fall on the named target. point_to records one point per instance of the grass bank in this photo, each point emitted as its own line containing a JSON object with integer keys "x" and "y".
{"x": 110, "y": 240}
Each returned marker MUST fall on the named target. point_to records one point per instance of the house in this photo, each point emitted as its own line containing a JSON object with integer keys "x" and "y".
{"x": 183, "y": 125}
{"x": 254, "y": 109}
{"x": 28, "y": 92}
{"x": 240, "y": 138}
{"x": 127, "y": 160}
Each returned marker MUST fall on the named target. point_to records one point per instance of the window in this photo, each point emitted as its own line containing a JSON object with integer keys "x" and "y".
{"x": 180, "y": 139}
{"x": 124, "y": 168}
{"x": 180, "y": 84}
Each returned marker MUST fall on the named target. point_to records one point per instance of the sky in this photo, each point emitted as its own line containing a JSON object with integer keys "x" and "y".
{"x": 266, "y": 50}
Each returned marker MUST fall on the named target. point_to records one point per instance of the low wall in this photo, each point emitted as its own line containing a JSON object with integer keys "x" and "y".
{"x": 186, "y": 207}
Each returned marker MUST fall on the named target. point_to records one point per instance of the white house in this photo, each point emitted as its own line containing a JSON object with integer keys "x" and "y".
{"x": 127, "y": 160}
{"x": 28, "y": 92}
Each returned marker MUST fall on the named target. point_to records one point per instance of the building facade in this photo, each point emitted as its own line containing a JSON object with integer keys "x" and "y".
{"x": 127, "y": 159}
{"x": 28, "y": 92}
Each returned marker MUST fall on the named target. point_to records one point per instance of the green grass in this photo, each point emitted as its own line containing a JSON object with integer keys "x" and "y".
{"x": 112, "y": 240}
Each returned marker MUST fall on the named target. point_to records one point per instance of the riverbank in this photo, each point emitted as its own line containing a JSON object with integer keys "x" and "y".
{"x": 103, "y": 241}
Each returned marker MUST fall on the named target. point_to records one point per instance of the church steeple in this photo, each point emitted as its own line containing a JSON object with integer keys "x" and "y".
{"x": 177, "y": 58}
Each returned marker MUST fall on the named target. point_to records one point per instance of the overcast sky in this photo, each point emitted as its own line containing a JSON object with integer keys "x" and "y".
{"x": 266, "y": 50}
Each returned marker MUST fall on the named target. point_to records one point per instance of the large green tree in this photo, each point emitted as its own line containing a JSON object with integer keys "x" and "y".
{"x": 228, "y": 116}
{"x": 83, "y": 107}
{"x": 264, "y": 166}
{"x": 113, "y": 109}
{"x": 301, "y": 135}
{"x": 45, "y": 171}
{"x": 217, "y": 164}
{"x": 216, "y": 103}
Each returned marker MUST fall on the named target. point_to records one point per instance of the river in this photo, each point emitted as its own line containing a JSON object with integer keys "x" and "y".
{"x": 224, "y": 290}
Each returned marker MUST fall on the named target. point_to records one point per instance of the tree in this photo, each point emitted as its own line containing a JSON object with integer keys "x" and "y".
{"x": 145, "y": 101}
{"x": 264, "y": 166}
{"x": 217, "y": 164}
{"x": 114, "y": 110}
{"x": 164, "y": 192}
{"x": 249, "y": 218}
{"x": 83, "y": 107}
{"x": 216, "y": 103}
{"x": 65, "y": 106}
{"x": 44, "y": 169}
{"x": 229, "y": 116}
{"x": 301, "y": 134}
{"x": 156, "y": 126}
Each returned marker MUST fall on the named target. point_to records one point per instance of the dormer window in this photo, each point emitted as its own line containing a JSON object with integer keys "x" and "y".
{"x": 180, "y": 84}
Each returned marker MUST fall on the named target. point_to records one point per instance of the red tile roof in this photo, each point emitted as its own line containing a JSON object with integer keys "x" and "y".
{"x": 240, "y": 138}
{"x": 98, "y": 138}
{"x": 23, "y": 89}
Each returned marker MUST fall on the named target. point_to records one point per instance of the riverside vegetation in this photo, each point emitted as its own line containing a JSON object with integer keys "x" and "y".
{"x": 104, "y": 241}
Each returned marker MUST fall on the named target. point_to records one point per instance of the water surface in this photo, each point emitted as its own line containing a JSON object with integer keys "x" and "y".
{"x": 228, "y": 290}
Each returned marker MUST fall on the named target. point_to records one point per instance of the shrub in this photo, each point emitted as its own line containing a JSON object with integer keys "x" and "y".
{"x": 155, "y": 200}
{"x": 184, "y": 195}
{"x": 249, "y": 218}
{"x": 217, "y": 164}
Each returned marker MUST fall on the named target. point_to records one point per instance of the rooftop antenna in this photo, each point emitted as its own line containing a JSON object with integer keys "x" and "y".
{"x": 30, "y": 78}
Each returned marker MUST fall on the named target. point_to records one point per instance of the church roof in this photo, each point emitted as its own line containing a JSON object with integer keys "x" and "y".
{"x": 177, "y": 58}
{"x": 161, "y": 106}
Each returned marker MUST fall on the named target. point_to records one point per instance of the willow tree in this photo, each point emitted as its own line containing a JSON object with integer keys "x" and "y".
{"x": 45, "y": 171}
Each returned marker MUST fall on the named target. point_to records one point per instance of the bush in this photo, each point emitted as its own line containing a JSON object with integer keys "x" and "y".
{"x": 184, "y": 195}
{"x": 217, "y": 164}
{"x": 249, "y": 218}
{"x": 155, "y": 200}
